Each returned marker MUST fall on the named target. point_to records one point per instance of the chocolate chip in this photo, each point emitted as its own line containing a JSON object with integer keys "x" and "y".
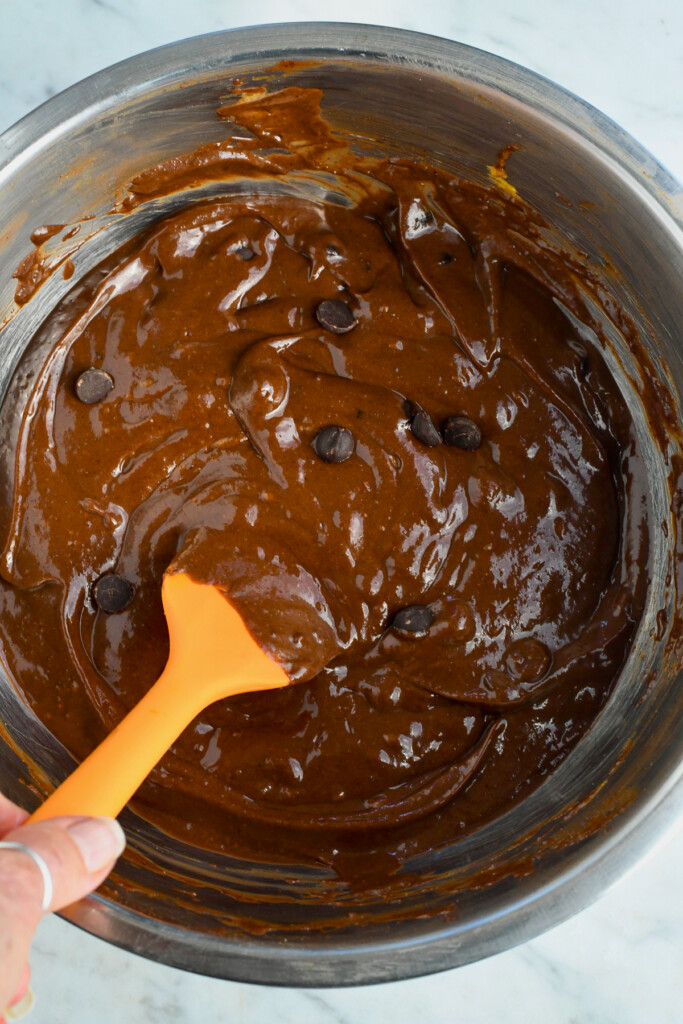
{"x": 93, "y": 385}
{"x": 112, "y": 593}
{"x": 244, "y": 252}
{"x": 334, "y": 444}
{"x": 415, "y": 619}
{"x": 462, "y": 432}
{"x": 334, "y": 315}
{"x": 424, "y": 430}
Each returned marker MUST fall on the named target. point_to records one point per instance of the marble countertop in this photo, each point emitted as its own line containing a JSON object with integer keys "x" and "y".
{"x": 620, "y": 961}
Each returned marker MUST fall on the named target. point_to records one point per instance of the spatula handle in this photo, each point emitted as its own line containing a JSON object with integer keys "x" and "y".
{"x": 212, "y": 655}
{"x": 104, "y": 783}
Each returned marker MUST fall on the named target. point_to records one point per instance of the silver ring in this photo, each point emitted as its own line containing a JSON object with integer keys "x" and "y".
{"x": 48, "y": 885}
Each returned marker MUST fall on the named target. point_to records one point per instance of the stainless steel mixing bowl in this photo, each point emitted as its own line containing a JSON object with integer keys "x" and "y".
{"x": 621, "y": 788}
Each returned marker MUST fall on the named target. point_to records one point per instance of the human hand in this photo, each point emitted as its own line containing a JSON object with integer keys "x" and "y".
{"x": 78, "y": 853}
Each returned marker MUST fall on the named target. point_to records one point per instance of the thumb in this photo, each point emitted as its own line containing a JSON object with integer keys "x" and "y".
{"x": 79, "y": 853}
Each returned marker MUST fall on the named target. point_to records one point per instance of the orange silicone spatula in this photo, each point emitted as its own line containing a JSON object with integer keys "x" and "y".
{"x": 212, "y": 656}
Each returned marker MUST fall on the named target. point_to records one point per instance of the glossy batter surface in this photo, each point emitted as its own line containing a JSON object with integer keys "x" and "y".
{"x": 201, "y": 457}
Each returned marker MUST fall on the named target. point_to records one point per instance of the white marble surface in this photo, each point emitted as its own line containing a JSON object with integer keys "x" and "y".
{"x": 621, "y": 961}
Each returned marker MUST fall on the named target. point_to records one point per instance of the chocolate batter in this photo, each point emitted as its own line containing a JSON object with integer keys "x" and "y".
{"x": 370, "y": 420}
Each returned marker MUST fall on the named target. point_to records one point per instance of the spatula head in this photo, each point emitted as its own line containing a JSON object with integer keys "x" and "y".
{"x": 210, "y": 645}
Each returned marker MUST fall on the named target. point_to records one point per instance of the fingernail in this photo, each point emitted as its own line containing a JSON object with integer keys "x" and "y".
{"x": 99, "y": 840}
{"x": 20, "y": 1009}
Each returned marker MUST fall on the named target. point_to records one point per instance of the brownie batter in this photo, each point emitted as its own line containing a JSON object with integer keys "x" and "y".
{"x": 368, "y": 417}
